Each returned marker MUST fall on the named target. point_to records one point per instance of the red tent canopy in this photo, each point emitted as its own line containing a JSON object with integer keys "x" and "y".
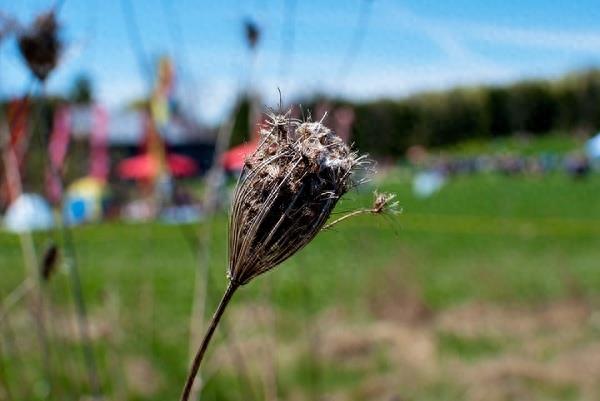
{"x": 234, "y": 158}
{"x": 144, "y": 167}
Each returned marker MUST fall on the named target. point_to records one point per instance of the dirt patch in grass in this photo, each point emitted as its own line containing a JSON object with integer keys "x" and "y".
{"x": 142, "y": 377}
{"x": 396, "y": 296}
{"x": 472, "y": 352}
{"x": 479, "y": 319}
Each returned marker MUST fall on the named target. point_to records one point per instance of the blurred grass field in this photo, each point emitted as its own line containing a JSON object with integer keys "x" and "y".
{"x": 488, "y": 290}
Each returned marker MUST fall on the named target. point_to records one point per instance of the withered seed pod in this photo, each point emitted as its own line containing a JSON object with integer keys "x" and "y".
{"x": 49, "y": 262}
{"x": 40, "y": 45}
{"x": 286, "y": 192}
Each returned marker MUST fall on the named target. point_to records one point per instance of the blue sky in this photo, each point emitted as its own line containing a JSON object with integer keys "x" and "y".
{"x": 408, "y": 46}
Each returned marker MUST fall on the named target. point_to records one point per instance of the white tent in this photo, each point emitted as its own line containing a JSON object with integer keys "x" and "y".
{"x": 29, "y": 212}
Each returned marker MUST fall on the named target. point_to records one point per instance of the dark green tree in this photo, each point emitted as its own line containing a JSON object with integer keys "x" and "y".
{"x": 81, "y": 91}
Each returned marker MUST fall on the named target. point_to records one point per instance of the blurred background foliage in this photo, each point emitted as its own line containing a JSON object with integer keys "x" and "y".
{"x": 537, "y": 107}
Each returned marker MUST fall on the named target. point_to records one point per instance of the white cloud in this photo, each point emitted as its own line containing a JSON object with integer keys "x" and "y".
{"x": 585, "y": 42}
{"x": 451, "y": 35}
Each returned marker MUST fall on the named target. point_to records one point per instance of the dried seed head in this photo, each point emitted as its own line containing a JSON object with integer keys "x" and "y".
{"x": 40, "y": 45}
{"x": 384, "y": 203}
{"x": 49, "y": 262}
{"x": 252, "y": 33}
{"x": 286, "y": 192}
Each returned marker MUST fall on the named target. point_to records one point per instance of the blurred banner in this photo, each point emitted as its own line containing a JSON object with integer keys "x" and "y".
{"x": 57, "y": 151}
{"x": 14, "y": 153}
{"x": 99, "y": 159}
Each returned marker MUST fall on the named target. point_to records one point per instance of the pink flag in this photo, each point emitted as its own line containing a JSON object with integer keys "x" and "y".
{"x": 14, "y": 153}
{"x": 57, "y": 151}
{"x": 343, "y": 120}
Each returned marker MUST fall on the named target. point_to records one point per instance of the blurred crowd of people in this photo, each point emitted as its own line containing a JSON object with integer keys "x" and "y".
{"x": 575, "y": 164}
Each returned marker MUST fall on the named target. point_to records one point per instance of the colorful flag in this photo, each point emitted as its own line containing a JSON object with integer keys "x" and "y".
{"x": 99, "y": 160}
{"x": 57, "y": 151}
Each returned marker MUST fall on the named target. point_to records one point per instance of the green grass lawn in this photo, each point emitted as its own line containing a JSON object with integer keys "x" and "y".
{"x": 552, "y": 143}
{"x": 509, "y": 243}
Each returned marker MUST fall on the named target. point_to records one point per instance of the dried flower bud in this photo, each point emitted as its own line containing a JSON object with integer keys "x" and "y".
{"x": 49, "y": 262}
{"x": 40, "y": 45}
{"x": 384, "y": 202}
{"x": 286, "y": 192}
{"x": 252, "y": 33}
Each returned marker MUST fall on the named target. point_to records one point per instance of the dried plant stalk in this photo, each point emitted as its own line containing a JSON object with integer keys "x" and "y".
{"x": 14, "y": 297}
{"x": 231, "y": 288}
{"x": 285, "y": 194}
{"x": 382, "y": 203}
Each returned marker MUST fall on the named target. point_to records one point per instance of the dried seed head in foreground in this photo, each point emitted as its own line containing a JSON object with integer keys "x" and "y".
{"x": 286, "y": 192}
{"x": 40, "y": 45}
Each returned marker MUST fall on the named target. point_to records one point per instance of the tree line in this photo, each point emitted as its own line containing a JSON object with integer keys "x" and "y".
{"x": 569, "y": 104}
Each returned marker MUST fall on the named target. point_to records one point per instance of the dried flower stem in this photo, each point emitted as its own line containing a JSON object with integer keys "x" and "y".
{"x": 36, "y": 302}
{"x": 14, "y": 297}
{"x": 201, "y": 247}
{"x": 32, "y": 288}
{"x": 231, "y": 288}
{"x": 201, "y": 283}
{"x": 347, "y": 216}
{"x": 383, "y": 203}
{"x": 81, "y": 311}
{"x": 76, "y": 287}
